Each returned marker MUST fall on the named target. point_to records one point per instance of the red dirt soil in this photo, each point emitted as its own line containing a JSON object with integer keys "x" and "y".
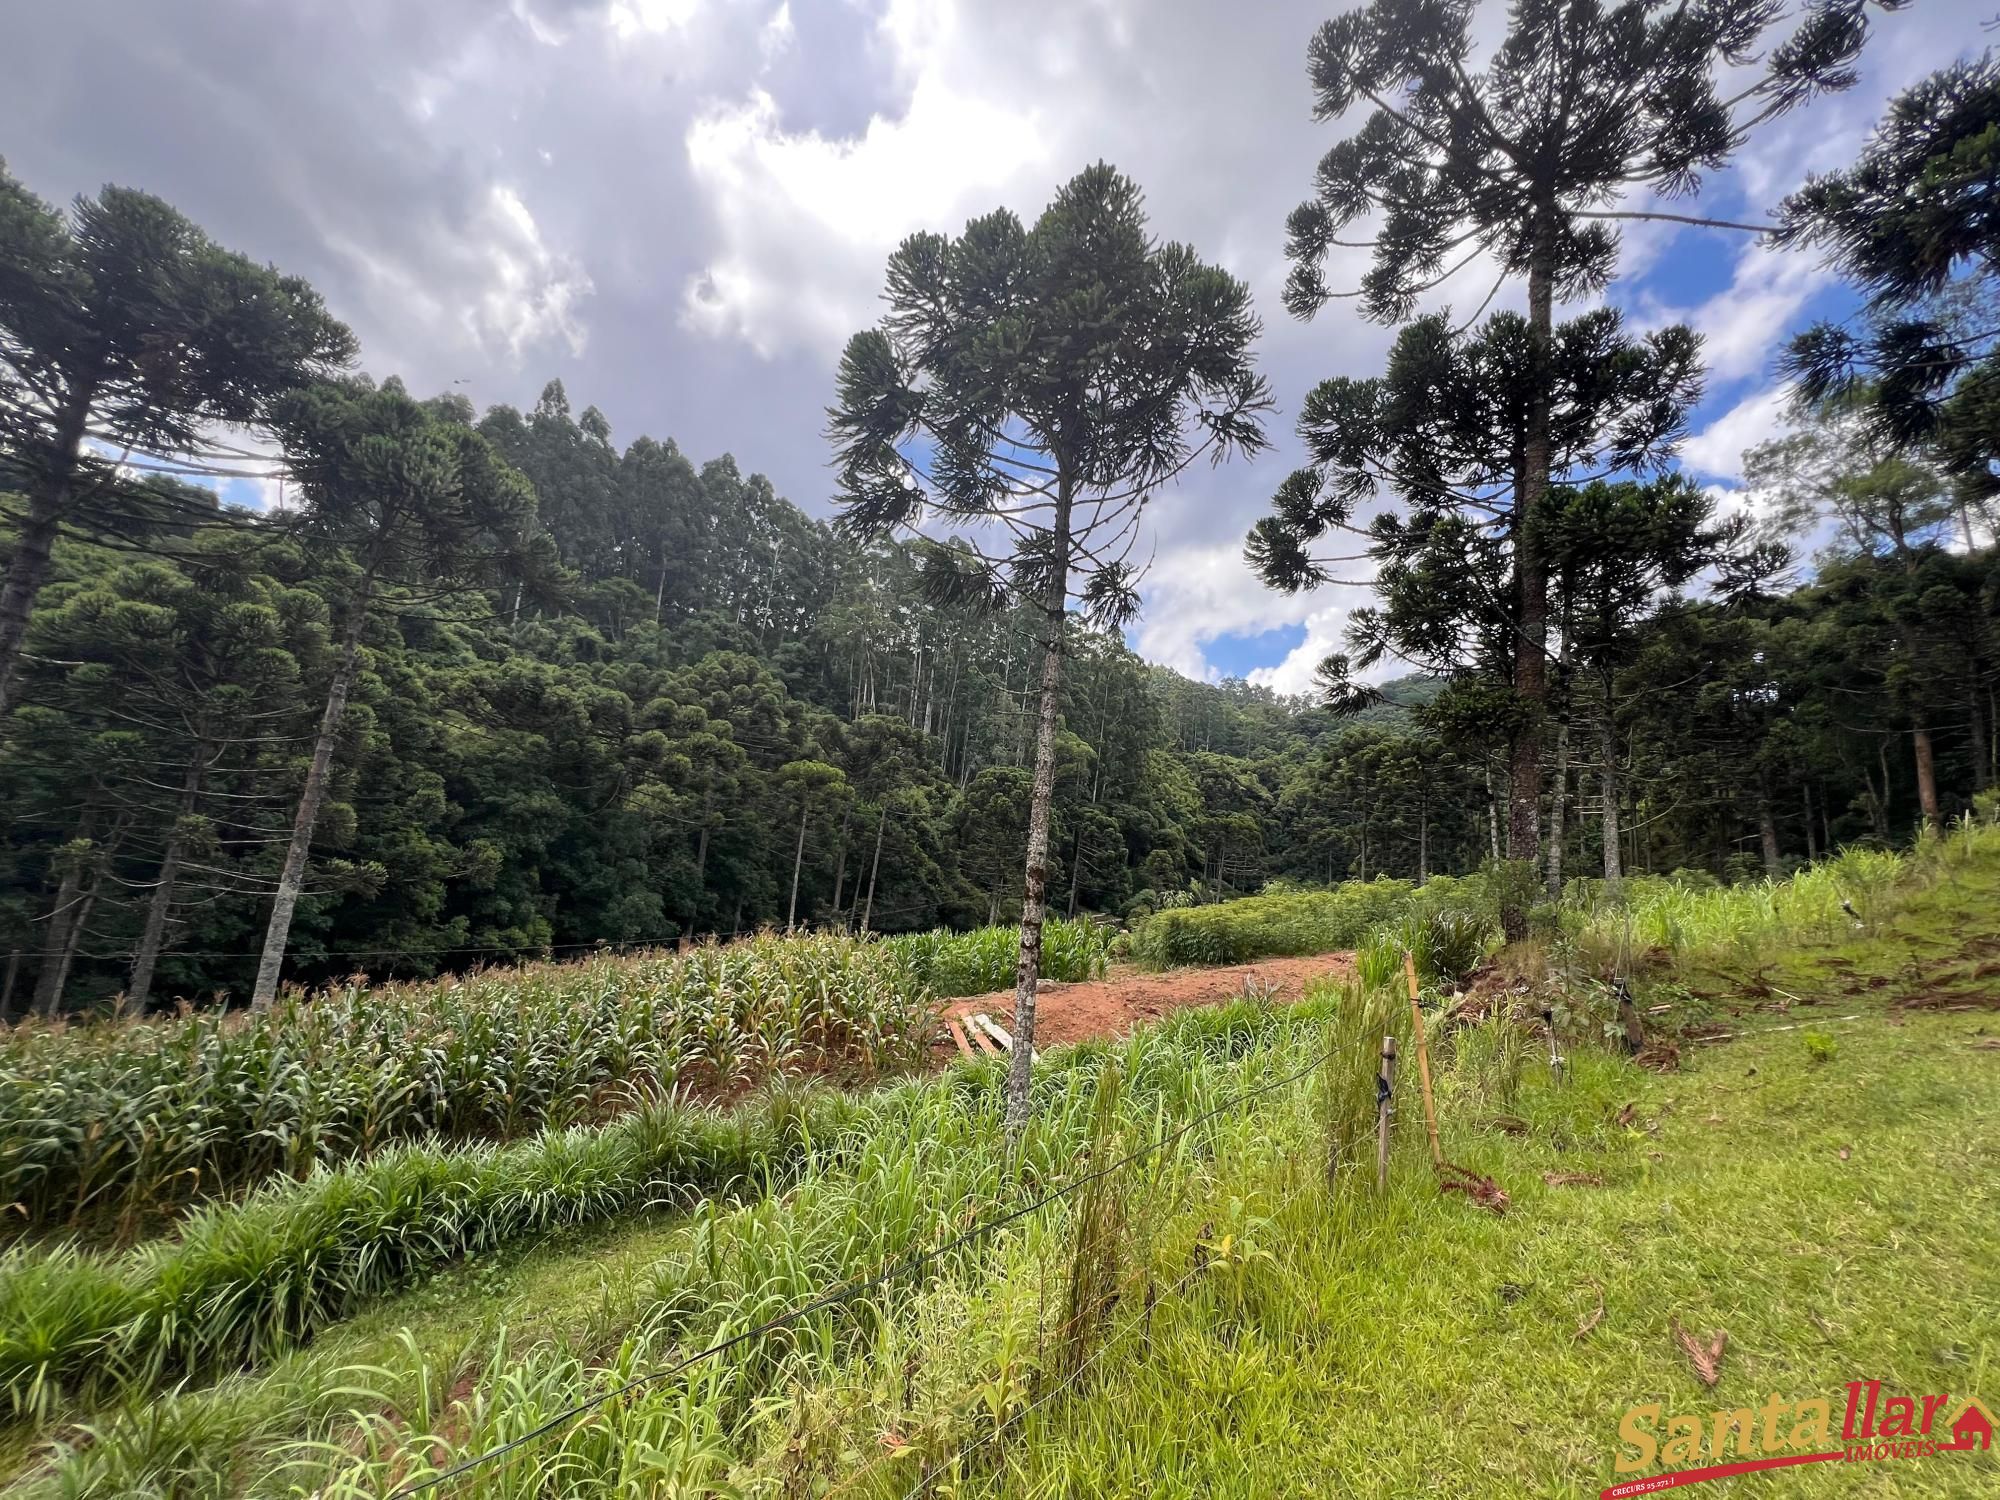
{"x": 1132, "y": 997}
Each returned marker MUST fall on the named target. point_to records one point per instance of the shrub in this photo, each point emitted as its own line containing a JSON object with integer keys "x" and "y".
{"x": 977, "y": 963}
{"x": 1273, "y": 926}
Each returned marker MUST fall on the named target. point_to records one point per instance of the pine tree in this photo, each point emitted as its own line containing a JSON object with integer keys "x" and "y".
{"x": 1039, "y": 386}
{"x": 1525, "y": 163}
{"x": 126, "y": 336}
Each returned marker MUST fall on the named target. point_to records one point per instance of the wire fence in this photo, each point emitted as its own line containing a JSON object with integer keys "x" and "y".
{"x": 911, "y": 1264}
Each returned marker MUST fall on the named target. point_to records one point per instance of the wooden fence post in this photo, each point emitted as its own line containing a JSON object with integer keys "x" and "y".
{"x": 1385, "y": 1106}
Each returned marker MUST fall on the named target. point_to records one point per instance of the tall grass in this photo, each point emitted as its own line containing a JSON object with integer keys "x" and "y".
{"x": 1292, "y": 924}
{"x": 1710, "y": 924}
{"x": 910, "y": 1167}
{"x": 106, "y": 1128}
{"x": 979, "y": 962}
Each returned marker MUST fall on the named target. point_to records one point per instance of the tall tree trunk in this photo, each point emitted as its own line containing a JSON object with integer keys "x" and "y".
{"x": 64, "y": 914}
{"x": 1558, "y": 807}
{"x": 1492, "y": 814}
{"x": 1531, "y": 678}
{"x": 50, "y": 497}
{"x": 1982, "y": 776}
{"x": 1767, "y": 826}
{"x": 7, "y": 986}
{"x": 1927, "y": 792}
{"x": 1878, "y": 805}
{"x": 1607, "y": 754}
{"x": 798, "y": 862}
{"x": 840, "y": 860}
{"x": 874, "y": 865}
{"x": 701, "y": 858}
{"x": 1812, "y": 834}
{"x": 292, "y": 879}
{"x": 139, "y": 987}
{"x": 1075, "y": 869}
{"x": 1034, "y": 895}
{"x": 1423, "y": 842}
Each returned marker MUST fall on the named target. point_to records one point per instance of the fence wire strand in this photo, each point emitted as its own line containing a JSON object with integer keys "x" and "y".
{"x": 909, "y": 1263}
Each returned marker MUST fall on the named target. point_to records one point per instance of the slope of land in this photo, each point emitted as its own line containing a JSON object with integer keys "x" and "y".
{"x": 1817, "y": 1183}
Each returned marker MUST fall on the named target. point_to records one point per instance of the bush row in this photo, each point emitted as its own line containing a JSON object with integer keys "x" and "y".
{"x": 246, "y": 1281}
{"x": 107, "y": 1128}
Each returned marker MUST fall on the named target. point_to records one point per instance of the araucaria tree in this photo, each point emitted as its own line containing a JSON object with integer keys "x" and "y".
{"x": 125, "y": 336}
{"x": 404, "y": 499}
{"x": 1032, "y": 389}
{"x": 1527, "y": 162}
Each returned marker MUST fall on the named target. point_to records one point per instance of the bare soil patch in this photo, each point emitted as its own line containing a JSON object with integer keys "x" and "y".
{"x": 1129, "y": 997}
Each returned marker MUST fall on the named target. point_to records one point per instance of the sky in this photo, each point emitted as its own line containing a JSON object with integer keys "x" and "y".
{"x": 682, "y": 208}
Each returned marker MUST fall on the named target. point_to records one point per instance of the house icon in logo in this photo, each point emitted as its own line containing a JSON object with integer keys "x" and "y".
{"x": 1973, "y": 1426}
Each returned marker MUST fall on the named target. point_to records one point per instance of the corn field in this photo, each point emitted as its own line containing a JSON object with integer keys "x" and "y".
{"x": 107, "y": 1129}
{"x": 980, "y": 962}
{"x": 823, "y": 1184}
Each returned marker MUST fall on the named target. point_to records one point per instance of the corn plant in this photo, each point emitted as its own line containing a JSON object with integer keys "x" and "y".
{"x": 108, "y": 1129}
{"x": 982, "y": 961}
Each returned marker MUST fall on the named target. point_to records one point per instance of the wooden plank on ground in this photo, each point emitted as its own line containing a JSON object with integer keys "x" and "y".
{"x": 957, "y": 1035}
{"x": 999, "y": 1034}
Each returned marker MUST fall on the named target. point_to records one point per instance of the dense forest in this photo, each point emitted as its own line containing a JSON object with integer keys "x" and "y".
{"x": 484, "y": 686}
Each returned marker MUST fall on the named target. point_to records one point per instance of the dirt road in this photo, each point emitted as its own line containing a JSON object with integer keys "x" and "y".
{"x": 1130, "y": 997}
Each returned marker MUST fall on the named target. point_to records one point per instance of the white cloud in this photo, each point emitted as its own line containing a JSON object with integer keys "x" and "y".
{"x": 1744, "y": 326}
{"x": 778, "y": 34}
{"x": 631, "y": 18}
{"x": 805, "y": 222}
{"x": 531, "y": 293}
{"x": 1196, "y": 593}
{"x": 490, "y": 286}
{"x": 1717, "y": 450}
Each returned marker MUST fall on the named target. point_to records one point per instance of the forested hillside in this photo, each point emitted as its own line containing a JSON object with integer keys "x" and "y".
{"x": 486, "y": 686}
{"x": 637, "y": 757}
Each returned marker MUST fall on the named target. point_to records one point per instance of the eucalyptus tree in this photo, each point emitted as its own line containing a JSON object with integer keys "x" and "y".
{"x": 1038, "y": 387}
{"x": 1530, "y": 162}
{"x": 126, "y": 338}
{"x": 399, "y": 497}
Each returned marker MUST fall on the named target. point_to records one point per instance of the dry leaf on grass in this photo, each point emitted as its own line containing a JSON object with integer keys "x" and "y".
{"x": 1844, "y": 1153}
{"x": 1572, "y": 1179}
{"x": 1481, "y": 1190}
{"x": 1628, "y": 1114}
{"x": 1986, "y": 1044}
{"x": 1590, "y": 1322}
{"x": 1706, "y": 1358}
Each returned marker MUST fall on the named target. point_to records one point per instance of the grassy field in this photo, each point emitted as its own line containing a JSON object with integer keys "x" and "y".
{"x": 1824, "y": 1194}
{"x": 1227, "y": 1317}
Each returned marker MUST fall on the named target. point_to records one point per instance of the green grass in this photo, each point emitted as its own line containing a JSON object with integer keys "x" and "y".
{"x": 1290, "y": 924}
{"x": 497, "y": 1339}
{"x": 1258, "y": 1321}
{"x": 1834, "y": 1215}
{"x": 1425, "y": 1346}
